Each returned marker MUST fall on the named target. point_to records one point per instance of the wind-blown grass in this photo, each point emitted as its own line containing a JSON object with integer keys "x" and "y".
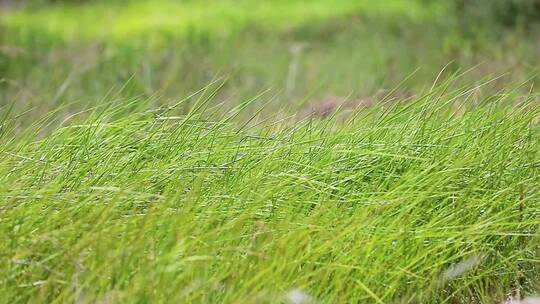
{"x": 413, "y": 203}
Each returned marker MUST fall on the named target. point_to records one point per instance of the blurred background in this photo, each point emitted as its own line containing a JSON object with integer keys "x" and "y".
{"x": 75, "y": 53}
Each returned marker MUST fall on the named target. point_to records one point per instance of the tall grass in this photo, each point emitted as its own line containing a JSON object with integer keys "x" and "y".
{"x": 431, "y": 201}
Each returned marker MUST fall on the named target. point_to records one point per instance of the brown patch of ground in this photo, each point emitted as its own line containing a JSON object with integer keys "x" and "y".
{"x": 328, "y": 105}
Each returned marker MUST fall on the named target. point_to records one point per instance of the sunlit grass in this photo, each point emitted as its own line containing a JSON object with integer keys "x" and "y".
{"x": 222, "y": 18}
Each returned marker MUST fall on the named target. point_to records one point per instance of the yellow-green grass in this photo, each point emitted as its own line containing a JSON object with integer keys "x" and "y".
{"x": 132, "y": 19}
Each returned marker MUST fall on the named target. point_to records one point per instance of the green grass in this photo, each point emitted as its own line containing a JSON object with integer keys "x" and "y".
{"x": 118, "y": 184}
{"x": 121, "y": 21}
{"x": 413, "y": 203}
{"x": 170, "y": 48}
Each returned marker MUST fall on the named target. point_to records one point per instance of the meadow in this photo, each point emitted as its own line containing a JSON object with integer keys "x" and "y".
{"x": 266, "y": 152}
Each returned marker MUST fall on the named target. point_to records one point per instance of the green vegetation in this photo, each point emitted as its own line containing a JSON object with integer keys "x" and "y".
{"x": 346, "y": 48}
{"x": 164, "y": 152}
{"x": 121, "y": 21}
{"x": 513, "y": 13}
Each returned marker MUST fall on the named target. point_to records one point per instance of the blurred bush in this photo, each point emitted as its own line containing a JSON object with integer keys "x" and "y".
{"x": 508, "y": 13}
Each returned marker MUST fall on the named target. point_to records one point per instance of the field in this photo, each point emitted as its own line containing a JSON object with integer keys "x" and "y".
{"x": 267, "y": 152}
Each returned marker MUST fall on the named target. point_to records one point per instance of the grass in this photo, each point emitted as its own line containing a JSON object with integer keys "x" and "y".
{"x": 122, "y": 181}
{"x": 120, "y": 20}
{"x": 415, "y": 202}
{"x": 347, "y": 49}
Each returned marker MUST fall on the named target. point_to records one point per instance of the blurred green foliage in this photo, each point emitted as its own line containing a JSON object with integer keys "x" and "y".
{"x": 61, "y": 54}
{"x": 509, "y": 13}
